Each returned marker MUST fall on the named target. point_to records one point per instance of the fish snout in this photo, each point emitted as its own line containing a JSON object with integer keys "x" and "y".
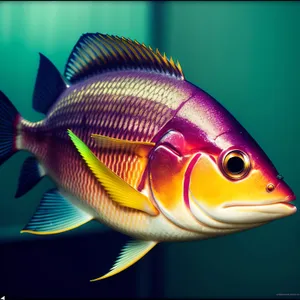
{"x": 285, "y": 194}
{"x": 290, "y": 198}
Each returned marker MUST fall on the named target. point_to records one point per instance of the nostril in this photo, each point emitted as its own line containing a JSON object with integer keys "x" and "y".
{"x": 270, "y": 187}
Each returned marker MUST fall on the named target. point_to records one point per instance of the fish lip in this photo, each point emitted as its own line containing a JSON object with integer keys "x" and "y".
{"x": 290, "y": 208}
{"x": 286, "y": 201}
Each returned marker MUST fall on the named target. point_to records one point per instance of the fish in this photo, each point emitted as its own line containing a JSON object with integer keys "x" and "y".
{"x": 129, "y": 142}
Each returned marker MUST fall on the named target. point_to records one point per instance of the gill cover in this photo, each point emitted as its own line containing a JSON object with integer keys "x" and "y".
{"x": 169, "y": 177}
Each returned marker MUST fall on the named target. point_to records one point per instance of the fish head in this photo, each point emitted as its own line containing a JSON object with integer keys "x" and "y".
{"x": 239, "y": 187}
{"x": 238, "y": 184}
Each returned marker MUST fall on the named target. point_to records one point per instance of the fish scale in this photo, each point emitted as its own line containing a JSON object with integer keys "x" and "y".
{"x": 112, "y": 105}
{"x": 103, "y": 102}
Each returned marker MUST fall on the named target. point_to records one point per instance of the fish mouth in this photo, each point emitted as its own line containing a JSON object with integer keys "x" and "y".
{"x": 267, "y": 205}
{"x": 247, "y": 214}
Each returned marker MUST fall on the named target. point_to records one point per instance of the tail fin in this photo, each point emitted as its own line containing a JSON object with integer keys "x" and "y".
{"x": 9, "y": 119}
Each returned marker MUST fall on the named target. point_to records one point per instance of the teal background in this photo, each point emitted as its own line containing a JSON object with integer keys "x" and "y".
{"x": 245, "y": 54}
{"x": 52, "y": 28}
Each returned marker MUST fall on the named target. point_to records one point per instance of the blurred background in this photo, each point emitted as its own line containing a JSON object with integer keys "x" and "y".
{"x": 246, "y": 55}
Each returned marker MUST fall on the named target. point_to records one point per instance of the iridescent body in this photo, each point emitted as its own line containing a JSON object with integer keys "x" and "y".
{"x": 125, "y": 105}
{"x": 134, "y": 145}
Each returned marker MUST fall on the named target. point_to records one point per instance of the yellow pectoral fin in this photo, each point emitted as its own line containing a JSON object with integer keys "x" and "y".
{"x": 140, "y": 148}
{"x": 118, "y": 189}
{"x": 130, "y": 254}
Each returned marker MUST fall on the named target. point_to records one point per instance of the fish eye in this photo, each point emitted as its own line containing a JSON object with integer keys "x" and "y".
{"x": 236, "y": 164}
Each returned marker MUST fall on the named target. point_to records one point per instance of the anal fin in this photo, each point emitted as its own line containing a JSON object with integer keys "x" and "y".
{"x": 130, "y": 254}
{"x": 56, "y": 214}
{"x": 30, "y": 175}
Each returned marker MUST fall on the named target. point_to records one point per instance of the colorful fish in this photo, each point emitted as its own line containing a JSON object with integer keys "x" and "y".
{"x": 132, "y": 144}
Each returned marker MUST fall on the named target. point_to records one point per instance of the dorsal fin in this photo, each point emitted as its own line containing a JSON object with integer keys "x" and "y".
{"x": 49, "y": 85}
{"x": 97, "y": 53}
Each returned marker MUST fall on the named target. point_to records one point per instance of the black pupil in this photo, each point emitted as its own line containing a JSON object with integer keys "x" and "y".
{"x": 235, "y": 165}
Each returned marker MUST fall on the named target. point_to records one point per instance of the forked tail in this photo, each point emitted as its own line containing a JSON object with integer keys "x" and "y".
{"x": 9, "y": 121}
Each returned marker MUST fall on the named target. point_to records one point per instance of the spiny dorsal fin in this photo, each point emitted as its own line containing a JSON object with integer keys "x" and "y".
{"x": 97, "y": 53}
